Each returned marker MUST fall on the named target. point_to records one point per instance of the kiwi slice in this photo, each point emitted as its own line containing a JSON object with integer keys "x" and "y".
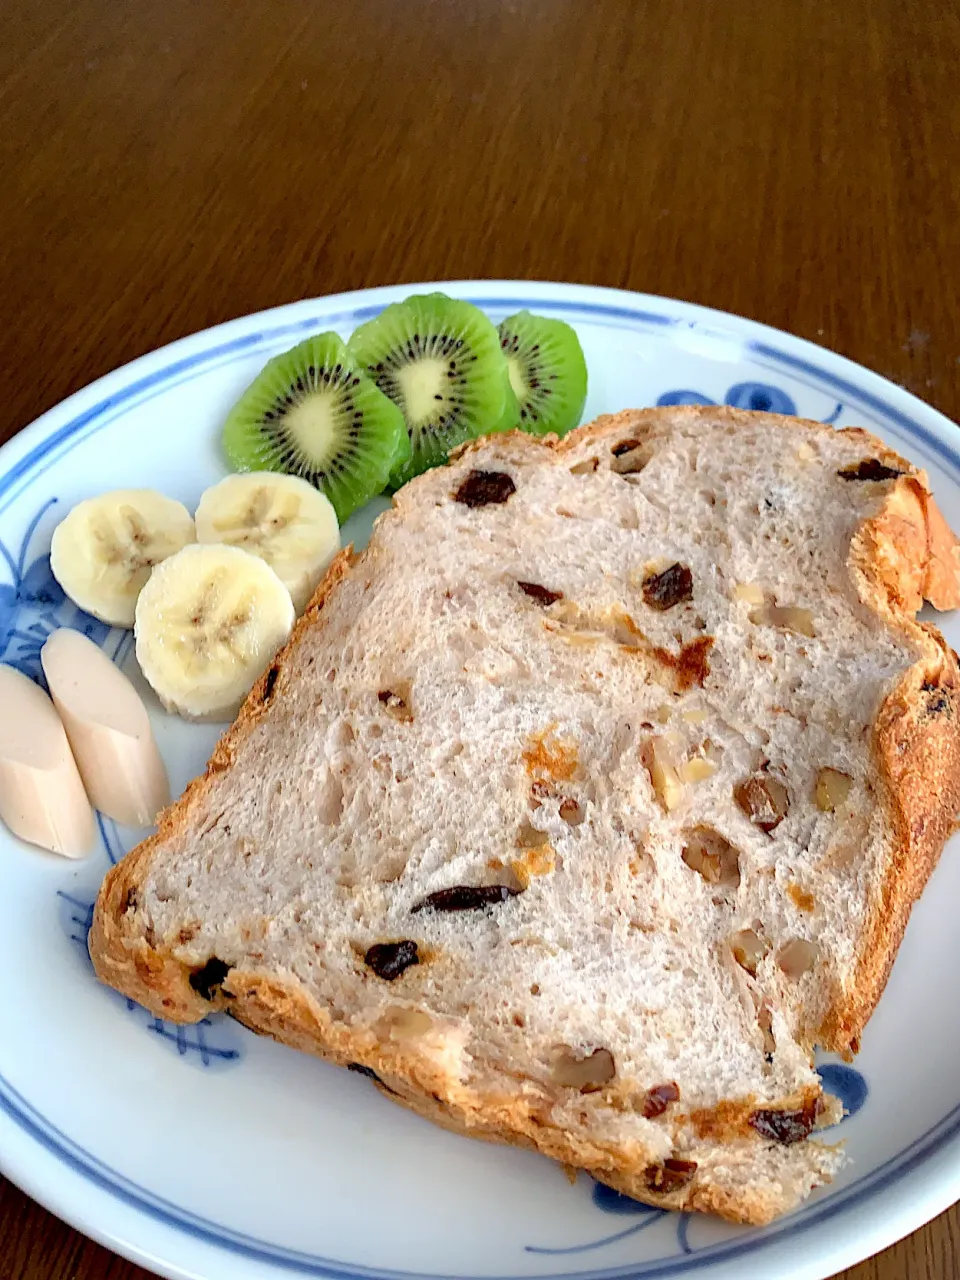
{"x": 547, "y": 371}
{"x": 313, "y": 413}
{"x": 439, "y": 359}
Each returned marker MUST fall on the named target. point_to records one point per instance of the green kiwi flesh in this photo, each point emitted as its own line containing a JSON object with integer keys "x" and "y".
{"x": 313, "y": 413}
{"x": 439, "y": 360}
{"x": 548, "y": 372}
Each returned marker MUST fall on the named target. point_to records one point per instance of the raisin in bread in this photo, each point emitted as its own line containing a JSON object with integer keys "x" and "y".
{"x": 586, "y": 801}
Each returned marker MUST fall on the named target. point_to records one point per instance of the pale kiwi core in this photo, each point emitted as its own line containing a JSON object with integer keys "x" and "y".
{"x": 312, "y": 425}
{"x": 517, "y": 380}
{"x": 421, "y": 385}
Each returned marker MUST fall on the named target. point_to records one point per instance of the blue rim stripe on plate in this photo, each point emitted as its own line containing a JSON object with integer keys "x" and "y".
{"x": 88, "y": 1166}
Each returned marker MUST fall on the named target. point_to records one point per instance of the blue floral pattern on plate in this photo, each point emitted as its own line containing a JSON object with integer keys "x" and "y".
{"x": 760, "y": 396}
{"x": 610, "y": 1201}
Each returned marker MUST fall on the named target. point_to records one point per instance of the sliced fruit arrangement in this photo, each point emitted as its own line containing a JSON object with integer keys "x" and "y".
{"x": 325, "y": 427}
{"x": 282, "y": 519}
{"x": 329, "y": 413}
{"x": 209, "y": 621}
{"x": 439, "y": 360}
{"x": 106, "y": 548}
{"x": 311, "y": 413}
{"x": 548, "y": 372}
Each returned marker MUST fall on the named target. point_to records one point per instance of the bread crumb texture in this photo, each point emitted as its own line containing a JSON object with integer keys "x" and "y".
{"x": 586, "y": 801}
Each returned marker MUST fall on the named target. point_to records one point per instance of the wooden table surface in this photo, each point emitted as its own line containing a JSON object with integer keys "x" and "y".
{"x": 168, "y": 164}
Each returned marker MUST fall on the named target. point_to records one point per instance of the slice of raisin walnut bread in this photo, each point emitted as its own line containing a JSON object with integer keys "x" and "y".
{"x": 586, "y": 801}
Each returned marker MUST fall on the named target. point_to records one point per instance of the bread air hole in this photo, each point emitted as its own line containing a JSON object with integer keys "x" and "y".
{"x": 208, "y": 980}
{"x": 396, "y": 701}
{"x": 630, "y": 457}
{"x": 765, "y": 1023}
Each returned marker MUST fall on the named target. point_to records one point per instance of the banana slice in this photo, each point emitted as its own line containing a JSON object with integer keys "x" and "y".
{"x": 106, "y": 548}
{"x": 208, "y": 623}
{"x": 282, "y": 519}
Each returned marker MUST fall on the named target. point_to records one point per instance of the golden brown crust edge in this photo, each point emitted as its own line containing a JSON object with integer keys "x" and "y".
{"x": 288, "y": 1014}
{"x": 917, "y": 748}
{"x": 916, "y": 742}
{"x": 121, "y": 957}
{"x": 910, "y": 751}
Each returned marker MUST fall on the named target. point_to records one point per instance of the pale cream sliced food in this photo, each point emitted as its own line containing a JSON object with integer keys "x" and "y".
{"x": 42, "y": 798}
{"x": 208, "y": 623}
{"x": 104, "y": 551}
{"x": 108, "y": 729}
{"x": 282, "y": 519}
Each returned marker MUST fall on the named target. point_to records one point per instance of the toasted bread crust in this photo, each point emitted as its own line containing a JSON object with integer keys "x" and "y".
{"x": 122, "y": 958}
{"x": 904, "y": 552}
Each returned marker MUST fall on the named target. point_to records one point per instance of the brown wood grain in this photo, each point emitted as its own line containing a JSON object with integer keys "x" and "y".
{"x": 168, "y": 164}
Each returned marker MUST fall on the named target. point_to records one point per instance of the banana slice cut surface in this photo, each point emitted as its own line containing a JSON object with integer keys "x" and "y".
{"x": 208, "y": 623}
{"x": 282, "y": 519}
{"x": 105, "y": 550}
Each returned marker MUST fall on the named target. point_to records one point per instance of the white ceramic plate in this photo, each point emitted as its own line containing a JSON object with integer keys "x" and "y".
{"x": 208, "y": 1153}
